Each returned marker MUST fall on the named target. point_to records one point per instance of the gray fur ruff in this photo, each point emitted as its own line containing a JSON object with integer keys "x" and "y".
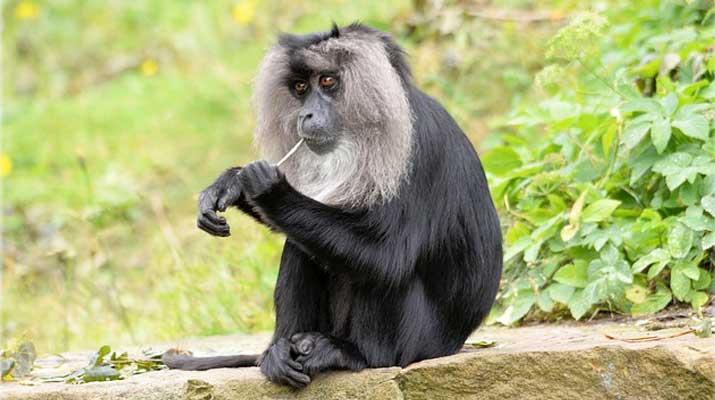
{"x": 372, "y": 159}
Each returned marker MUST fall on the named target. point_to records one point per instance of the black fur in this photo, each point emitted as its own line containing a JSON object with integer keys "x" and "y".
{"x": 386, "y": 286}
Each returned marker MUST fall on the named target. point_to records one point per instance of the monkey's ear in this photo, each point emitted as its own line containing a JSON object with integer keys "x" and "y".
{"x": 335, "y": 32}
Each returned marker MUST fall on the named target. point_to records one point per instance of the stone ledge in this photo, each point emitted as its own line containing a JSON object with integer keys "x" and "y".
{"x": 540, "y": 362}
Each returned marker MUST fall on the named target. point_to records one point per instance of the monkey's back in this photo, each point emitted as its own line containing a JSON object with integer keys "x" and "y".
{"x": 451, "y": 240}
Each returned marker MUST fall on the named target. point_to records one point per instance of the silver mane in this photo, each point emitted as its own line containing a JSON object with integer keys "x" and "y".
{"x": 372, "y": 158}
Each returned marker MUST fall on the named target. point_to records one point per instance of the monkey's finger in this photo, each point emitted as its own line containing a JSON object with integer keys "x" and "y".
{"x": 207, "y": 206}
{"x": 213, "y": 217}
{"x": 294, "y": 364}
{"x": 296, "y": 379}
{"x": 214, "y": 229}
{"x": 210, "y": 214}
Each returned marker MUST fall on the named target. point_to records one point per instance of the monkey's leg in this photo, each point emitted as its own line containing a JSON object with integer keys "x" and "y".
{"x": 300, "y": 306}
{"x": 317, "y": 353}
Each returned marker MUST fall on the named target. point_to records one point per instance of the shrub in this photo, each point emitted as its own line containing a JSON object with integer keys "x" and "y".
{"x": 607, "y": 185}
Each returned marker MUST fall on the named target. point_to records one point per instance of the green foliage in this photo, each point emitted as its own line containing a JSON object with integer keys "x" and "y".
{"x": 612, "y": 208}
{"x": 17, "y": 363}
{"x": 105, "y": 367}
{"x": 115, "y": 116}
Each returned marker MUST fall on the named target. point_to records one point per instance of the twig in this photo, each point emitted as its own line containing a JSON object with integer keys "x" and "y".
{"x": 650, "y": 338}
{"x": 290, "y": 153}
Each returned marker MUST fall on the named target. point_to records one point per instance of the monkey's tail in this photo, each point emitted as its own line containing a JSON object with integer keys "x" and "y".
{"x": 176, "y": 360}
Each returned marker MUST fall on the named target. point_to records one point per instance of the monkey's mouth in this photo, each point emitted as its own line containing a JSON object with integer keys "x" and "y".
{"x": 319, "y": 144}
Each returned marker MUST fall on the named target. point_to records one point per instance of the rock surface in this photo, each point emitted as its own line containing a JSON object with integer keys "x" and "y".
{"x": 540, "y": 362}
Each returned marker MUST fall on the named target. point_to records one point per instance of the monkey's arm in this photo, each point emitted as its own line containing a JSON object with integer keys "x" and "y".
{"x": 335, "y": 237}
{"x": 223, "y": 193}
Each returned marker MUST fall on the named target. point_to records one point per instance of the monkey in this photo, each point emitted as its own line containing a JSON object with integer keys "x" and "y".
{"x": 393, "y": 247}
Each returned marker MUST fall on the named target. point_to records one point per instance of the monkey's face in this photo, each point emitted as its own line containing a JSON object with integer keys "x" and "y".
{"x": 340, "y": 92}
{"x": 318, "y": 120}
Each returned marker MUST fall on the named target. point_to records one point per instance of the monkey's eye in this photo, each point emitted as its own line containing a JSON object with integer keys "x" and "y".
{"x": 327, "y": 81}
{"x": 300, "y": 87}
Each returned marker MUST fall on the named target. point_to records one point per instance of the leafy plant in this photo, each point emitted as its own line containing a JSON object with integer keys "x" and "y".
{"x": 17, "y": 363}
{"x": 613, "y": 208}
{"x": 105, "y": 367}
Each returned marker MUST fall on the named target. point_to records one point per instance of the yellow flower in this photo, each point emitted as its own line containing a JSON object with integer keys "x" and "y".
{"x": 26, "y": 10}
{"x": 5, "y": 165}
{"x": 149, "y": 67}
{"x": 244, "y": 11}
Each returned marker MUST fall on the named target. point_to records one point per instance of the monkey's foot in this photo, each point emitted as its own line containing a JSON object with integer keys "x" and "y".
{"x": 278, "y": 366}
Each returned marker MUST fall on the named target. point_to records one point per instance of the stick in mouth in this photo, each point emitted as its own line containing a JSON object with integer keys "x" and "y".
{"x": 290, "y": 152}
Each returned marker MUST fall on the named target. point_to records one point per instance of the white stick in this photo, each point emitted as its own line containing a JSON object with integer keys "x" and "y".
{"x": 290, "y": 153}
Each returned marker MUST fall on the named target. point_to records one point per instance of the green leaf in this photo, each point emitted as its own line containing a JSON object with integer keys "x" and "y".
{"x": 660, "y": 134}
{"x": 560, "y": 292}
{"x": 704, "y": 279}
{"x": 500, "y": 161}
{"x": 532, "y": 252}
{"x": 656, "y": 269}
{"x": 578, "y": 305}
{"x": 645, "y": 161}
{"x": 679, "y": 284}
{"x": 646, "y": 105}
{"x": 676, "y": 169}
{"x": 709, "y": 92}
{"x": 697, "y": 299}
{"x": 544, "y": 301}
{"x": 699, "y": 223}
{"x": 669, "y": 103}
{"x": 101, "y": 373}
{"x": 568, "y": 232}
{"x": 575, "y": 275}
{"x": 634, "y": 133}
{"x": 708, "y": 241}
{"x": 680, "y": 240}
{"x": 652, "y": 303}
{"x": 6, "y": 367}
{"x": 516, "y": 248}
{"x": 708, "y": 203}
{"x": 481, "y": 344}
{"x": 690, "y": 269}
{"x": 98, "y": 357}
{"x": 521, "y": 305}
{"x": 596, "y": 291}
{"x": 695, "y": 126}
{"x": 657, "y": 255}
{"x": 599, "y": 210}
{"x": 637, "y": 294}
{"x": 608, "y": 140}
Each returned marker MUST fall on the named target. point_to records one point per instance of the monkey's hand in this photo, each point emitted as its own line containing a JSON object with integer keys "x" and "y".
{"x": 223, "y": 193}
{"x": 279, "y": 367}
{"x": 258, "y": 178}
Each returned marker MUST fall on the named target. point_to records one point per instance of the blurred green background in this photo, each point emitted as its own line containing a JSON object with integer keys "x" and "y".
{"x": 117, "y": 113}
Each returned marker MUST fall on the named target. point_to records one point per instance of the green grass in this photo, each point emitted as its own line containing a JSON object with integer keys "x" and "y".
{"x": 100, "y": 243}
{"x": 99, "y": 222}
